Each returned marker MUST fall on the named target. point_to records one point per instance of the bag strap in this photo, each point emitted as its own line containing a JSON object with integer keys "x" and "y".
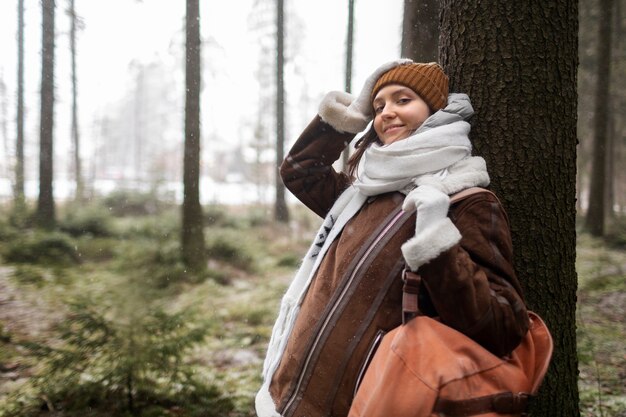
{"x": 502, "y": 403}
{"x": 412, "y": 280}
{"x": 462, "y": 195}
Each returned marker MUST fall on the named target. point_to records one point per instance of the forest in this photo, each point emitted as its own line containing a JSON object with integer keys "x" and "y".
{"x": 146, "y": 238}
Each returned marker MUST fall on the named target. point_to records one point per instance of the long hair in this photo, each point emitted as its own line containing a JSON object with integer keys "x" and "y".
{"x": 361, "y": 146}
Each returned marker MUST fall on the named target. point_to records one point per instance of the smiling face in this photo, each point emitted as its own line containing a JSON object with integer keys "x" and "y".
{"x": 398, "y": 112}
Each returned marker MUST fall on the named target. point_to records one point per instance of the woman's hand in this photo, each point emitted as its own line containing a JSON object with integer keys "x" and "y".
{"x": 432, "y": 206}
{"x": 346, "y": 113}
{"x": 434, "y": 231}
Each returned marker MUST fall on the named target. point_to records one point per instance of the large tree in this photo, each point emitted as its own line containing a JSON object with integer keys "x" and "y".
{"x": 420, "y": 30}
{"x": 192, "y": 223}
{"x": 281, "y": 213}
{"x": 517, "y": 61}
{"x": 595, "y": 219}
{"x": 45, "y": 204}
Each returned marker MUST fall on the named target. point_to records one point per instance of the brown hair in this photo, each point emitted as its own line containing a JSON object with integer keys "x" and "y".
{"x": 361, "y": 146}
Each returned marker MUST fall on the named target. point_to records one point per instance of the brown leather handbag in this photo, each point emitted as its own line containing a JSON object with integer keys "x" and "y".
{"x": 425, "y": 368}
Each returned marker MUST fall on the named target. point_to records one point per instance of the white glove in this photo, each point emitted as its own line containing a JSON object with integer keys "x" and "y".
{"x": 434, "y": 231}
{"x": 346, "y": 113}
{"x": 431, "y": 204}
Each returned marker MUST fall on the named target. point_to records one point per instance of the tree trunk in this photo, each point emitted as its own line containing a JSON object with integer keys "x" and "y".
{"x": 517, "y": 61}
{"x": 594, "y": 222}
{"x": 349, "y": 56}
{"x": 281, "y": 213}
{"x": 19, "y": 143}
{"x": 45, "y": 204}
{"x": 420, "y": 30}
{"x": 75, "y": 132}
{"x": 192, "y": 222}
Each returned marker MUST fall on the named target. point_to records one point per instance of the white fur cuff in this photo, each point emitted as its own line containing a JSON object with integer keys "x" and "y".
{"x": 430, "y": 243}
{"x": 336, "y": 111}
{"x": 264, "y": 404}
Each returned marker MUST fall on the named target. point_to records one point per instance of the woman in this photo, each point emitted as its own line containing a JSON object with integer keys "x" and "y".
{"x": 347, "y": 293}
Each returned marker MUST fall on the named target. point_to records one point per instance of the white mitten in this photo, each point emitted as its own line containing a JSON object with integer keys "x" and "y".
{"x": 346, "y": 113}
{"x": 434, "y": 231}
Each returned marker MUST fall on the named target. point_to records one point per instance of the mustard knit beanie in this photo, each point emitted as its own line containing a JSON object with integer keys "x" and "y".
{"x": 427, "y": 80}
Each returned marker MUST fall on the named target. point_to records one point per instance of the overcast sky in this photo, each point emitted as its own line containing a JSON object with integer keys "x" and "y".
{"x": 119, "y": 31}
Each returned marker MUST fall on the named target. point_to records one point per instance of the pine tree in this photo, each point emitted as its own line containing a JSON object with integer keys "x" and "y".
{"x": 45, "y": 204}
{"x": 517, "y": 62}
{"x": 193, "y": 247}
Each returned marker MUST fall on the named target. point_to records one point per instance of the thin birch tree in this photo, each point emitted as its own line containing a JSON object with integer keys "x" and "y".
{"x": 78, "y": 177}
{"x": 349, "y": 58}
{"x": 281, "y": 212}
{"x": 193, "y": 246}
{"x": 45, "y": 216}
{"x": 19, "y": 143}
{"x": 596, "y": 212}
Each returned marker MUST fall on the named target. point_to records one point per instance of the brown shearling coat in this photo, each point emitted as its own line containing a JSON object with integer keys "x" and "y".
{"x": 356, "y": 294}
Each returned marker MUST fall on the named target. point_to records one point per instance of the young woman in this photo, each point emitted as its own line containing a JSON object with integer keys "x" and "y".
{"x": 347, "y": 292}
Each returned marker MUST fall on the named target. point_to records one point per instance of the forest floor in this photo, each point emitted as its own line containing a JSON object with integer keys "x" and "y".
{"x": 242, "y": 305}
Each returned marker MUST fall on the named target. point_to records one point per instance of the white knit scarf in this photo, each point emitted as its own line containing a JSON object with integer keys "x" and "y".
{"x": 438, "y": 154}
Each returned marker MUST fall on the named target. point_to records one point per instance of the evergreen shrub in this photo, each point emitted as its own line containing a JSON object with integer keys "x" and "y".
{"x": 90, "y": 221}
{"x": 38, "y": 247}
{"x": 129, "y": 362}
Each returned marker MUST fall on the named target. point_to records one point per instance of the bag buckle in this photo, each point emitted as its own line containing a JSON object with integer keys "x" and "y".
{"x": 410, "y": 295}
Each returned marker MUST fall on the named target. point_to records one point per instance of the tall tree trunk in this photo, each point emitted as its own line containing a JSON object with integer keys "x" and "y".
{"x": 281, "y": 213}
{"x": 349, "y": 57}
{"x": 19, "y": 143}
{"x": 192, "y": 222}
{"x": 517, "y": 61}
{"x": 420, "y": 30}
{"x": 594, "y": 222}
{"x": 45, "y": 204}
{"x": 78, "y": 177}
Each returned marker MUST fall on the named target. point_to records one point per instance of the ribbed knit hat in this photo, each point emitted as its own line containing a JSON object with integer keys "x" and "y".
{"x": 427, "y": 80}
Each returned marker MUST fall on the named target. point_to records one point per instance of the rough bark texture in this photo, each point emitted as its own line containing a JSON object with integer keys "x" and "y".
{"x": 420, "y": 30}
{"x": 19, "y": 144}
{"x": 45, "y": 204}
{"x": 75, "y": 132}
{"x": 192, "y": 223}
{"x": 517, "y": 61}
{"x": 594, "y": 221}
{"x": 281, "y": 213}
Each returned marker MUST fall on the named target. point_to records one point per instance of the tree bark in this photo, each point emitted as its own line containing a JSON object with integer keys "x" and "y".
{"x": 281, "y": 212}
{"x": 193, "y": 248}
{"x": 517, "y": 62}
{"x": 594, "y": 222}
{"x": 45, "y": 204}
{"x": 19, "y": 143}
{"x": 420, "y": 30}
{"x": 78, "y": 177}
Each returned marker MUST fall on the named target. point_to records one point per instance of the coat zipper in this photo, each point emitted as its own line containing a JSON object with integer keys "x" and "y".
{"x": 368, "y": 358}
{"x": 307, "y": 361}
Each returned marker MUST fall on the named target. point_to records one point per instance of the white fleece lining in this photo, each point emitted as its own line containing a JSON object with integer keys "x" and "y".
{"x": 430, "y": 243}
{"x": 264, "y": 404}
